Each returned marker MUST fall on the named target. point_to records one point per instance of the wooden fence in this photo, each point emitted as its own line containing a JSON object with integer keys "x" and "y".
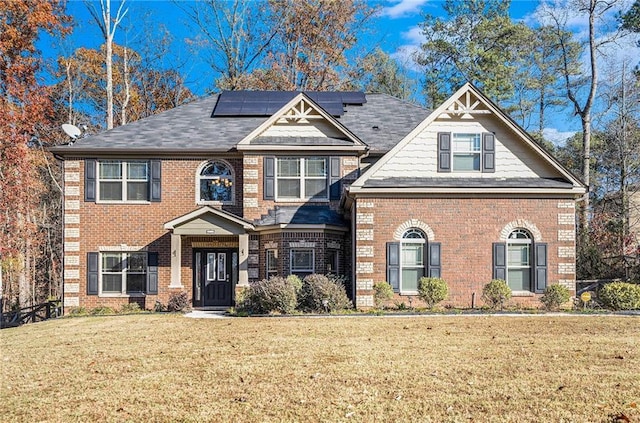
{"x": 36, "y": 313}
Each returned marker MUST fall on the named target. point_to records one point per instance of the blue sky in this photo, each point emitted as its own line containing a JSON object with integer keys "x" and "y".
{"x": 396, "y": 31}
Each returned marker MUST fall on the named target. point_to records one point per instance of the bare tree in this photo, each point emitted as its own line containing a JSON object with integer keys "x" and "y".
{"x": 108, "y": 27}
{"x": 577, "y": 80}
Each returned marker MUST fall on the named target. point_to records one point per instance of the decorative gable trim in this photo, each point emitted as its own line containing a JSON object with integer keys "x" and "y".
{"x": 462, "y": 104}
{"x": 179, "y": 221}
{"x": 301, "y": 109}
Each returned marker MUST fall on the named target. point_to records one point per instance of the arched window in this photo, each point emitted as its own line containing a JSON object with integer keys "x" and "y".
{"x": 519, "y": 258}
{"x": 412, "y": 259}
{"x": 215, "y": 183}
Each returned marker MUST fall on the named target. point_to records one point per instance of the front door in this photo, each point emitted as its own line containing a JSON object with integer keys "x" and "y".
{"x": 213, "y": 284}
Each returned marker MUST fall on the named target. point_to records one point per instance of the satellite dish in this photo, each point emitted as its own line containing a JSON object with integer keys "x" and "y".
{"x": 73, "y": 131}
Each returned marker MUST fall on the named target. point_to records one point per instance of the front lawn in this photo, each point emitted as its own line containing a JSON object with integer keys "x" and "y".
{"x": 439, "y": 368}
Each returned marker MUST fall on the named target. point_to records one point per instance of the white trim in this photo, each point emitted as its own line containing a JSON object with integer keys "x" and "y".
{"x": 245, "y": 143}
{"x": 172, "y": 224}
{"x": 124, "y": 181}
{"x": 578, "y": 186}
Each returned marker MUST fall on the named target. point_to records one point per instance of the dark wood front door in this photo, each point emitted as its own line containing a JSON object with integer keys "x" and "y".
{"x": 213, "y": 284}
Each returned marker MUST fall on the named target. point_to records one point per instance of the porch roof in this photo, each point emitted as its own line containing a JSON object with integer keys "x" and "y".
{"x": 209, "y": 221}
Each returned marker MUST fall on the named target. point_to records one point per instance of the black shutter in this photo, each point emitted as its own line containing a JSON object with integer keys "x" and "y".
{"x": 541, "y": 267}
{"x": 393, "y": 265}
{"x": 433, "y": 263}
{"x": 90, "y": 180}
{"x": 92, "y": 273}
{"x": 152, "y": 273}
{"x": 488, "y": 152}
{"x": 269, "y": 178}
{"x": 500, "y": 261}
{"x": 334, "y": 180}
{"x": 444, "y": 152}
{"x": 155, "y": 193}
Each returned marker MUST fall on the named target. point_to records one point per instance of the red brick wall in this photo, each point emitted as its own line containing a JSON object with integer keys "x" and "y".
{"x": 466, "y": 229}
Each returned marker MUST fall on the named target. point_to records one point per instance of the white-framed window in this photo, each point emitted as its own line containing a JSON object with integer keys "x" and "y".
{"x": 302, "y": 261}
{"x": 466, "y": 152}
{"x": 332, "y": 260}
{"x": 412, "y": 264}
{"x": 302, "y": 178}
{"x": 123, "y": 181}
{"x": 123, "y": 273}
{"x": 519, "y": 256}
{"x": 215, "y": 183}
{"x": 271, "y": 258}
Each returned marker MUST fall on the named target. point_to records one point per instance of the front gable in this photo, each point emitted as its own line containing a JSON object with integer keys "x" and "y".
{"x": 298, "y": 124}
{"x": 472, "y": 133}
{"x": 208, "y": 221}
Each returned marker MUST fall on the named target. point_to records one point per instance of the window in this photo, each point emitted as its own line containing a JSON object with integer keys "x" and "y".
{"x": 302, "y": 178}
{"x": 302, "y": 262}
{"x": 411, "y": 260}
{"x": 466, "y": 152}
{"x": 123, "y": 273}
{"x": 215, "y": 183}
{"x": 521, "y": 262}
{"x": 123, "y": 180}
{"x": 331, "y": 257}
{"x": 272, "y": 262}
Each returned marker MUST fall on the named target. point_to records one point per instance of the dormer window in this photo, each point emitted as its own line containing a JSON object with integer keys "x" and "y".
{"x": 215, "y": 183}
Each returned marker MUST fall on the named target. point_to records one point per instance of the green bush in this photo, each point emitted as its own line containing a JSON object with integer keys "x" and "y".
{"x": 382, "y": 293}
{"x": 432, "y": 290}
{"x": 320, "y": 293}
{"x": 77, "y": 311}
{"x": 178, "y": 301}
{"x": 273, "y": 295}
{"x": 620, "y": 296}
{"x": 130, "y": 308}
{"x": 295, "y": 281}
{"x": 496, "y": 293}
{"x": 102, "y": 311}
{"x": 554, "y": 296}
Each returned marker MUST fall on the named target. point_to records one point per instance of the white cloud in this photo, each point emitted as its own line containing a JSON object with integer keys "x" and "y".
{"x": 555, "y": 136}
{"x": 403, "y": 8}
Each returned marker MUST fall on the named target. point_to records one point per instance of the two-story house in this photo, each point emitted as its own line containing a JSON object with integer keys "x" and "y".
{"x": 240, "y": 186}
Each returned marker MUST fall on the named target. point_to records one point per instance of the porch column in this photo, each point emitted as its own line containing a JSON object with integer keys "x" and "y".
{"x": 176, "y": 261}
{"x": 243, "y": 262}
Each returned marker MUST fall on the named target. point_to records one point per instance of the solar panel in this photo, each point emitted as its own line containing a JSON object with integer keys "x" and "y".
{"x": 265, "y": 103}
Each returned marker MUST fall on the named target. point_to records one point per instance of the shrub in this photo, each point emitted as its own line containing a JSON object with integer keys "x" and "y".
{"x": 432, "y": 290}
{"x": 620, "y": 296}
{"x": 554, "y": 296}
{"x": 275, "y": 294}
{"x": 320, "y": 293}
{"x": 77, "y": 311}
{"x": 383, "y": 292}
{"x": 496, "y": 293}
{"x": 130, "y": 308}
{"x": 159, "y": 307}
{"x": 178, "y": 301}
{"x": 296, "y": 282}
{"x": 102, "y": 311}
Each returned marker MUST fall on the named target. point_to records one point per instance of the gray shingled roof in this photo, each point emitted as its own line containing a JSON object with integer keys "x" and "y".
{"x": 467, "y": 183}
{"x": 380, "y": 123}
{"x": 307, "y": 215}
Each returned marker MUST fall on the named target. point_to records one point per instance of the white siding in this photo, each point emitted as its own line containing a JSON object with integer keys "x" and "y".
{"x": 418, "y": 158}
{"x": 315, "y": 128}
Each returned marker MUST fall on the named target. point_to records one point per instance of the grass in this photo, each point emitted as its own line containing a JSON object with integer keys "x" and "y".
{"x": 161, "y": 367}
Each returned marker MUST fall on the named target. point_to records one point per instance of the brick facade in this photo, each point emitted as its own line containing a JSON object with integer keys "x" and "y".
{"x": 95, "y": 226}
{"x": 466, "y": 229}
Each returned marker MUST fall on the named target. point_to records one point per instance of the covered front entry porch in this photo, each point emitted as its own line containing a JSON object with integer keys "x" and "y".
{"x": 213, "y": 245}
